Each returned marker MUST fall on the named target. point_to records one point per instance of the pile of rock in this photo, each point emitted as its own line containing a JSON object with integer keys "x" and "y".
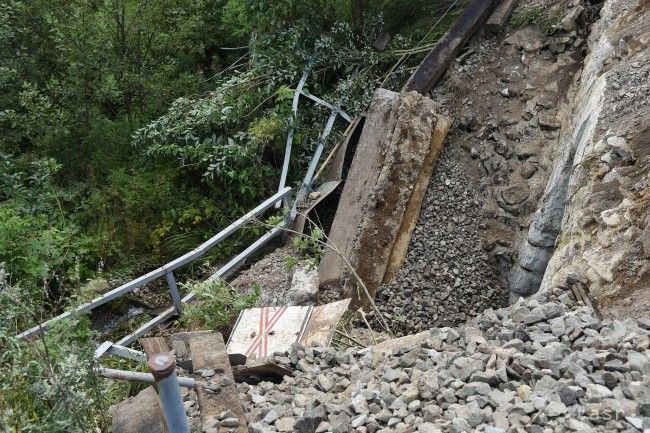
{"x": 545, "y": 364}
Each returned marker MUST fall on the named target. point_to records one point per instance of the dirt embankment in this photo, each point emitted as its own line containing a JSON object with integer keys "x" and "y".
{"x": 507, "y": 95}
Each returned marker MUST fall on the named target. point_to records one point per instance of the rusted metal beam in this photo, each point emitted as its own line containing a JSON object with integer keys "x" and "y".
{"x": 437, "y": 61}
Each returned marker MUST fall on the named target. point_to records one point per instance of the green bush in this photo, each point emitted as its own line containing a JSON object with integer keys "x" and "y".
{"x": 48, "y": 385}
{"x": 216, "y": 305}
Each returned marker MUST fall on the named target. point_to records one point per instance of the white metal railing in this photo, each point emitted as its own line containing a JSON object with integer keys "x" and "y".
{"x": 166, "y": 270}
{"x": 119, "y": 348}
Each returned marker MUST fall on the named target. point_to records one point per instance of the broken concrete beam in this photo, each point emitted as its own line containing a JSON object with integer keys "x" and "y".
{"x": 139, "y": 414}
{"x": 412, "y": 212}
{"x": 323, "y": 322}
{"x": 499, "y": 19}
{"x": 220, "y": 406}
{"x": 259, "y": 332}
{"x": 435, "y": 64}
{"x": 362, "y": 178}
{"x": 394, "y": 155}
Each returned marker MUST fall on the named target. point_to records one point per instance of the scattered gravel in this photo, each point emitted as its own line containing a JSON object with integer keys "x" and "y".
{"x": 545, "y": 364}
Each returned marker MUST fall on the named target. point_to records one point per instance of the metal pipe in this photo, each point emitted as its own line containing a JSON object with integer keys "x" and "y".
{"x": 136, "y": 376}
{"x": 162, "y": 367}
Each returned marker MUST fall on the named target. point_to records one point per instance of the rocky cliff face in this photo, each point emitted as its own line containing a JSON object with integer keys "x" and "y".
{"x": 600, "y": 186}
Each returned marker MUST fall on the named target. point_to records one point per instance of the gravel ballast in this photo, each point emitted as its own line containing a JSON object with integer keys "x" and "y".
{"x": 447, "y": 276}
{"x": 544, "y": 364}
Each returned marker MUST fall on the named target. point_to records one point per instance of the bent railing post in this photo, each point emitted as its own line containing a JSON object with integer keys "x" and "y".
{"x": 294, "y": 115}
{"x": 173, "y": 289}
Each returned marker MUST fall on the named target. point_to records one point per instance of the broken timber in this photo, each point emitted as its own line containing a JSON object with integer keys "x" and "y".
{"x": 500, "y": 17}
{"x": 437, "y": 61}
{"x": 208, "y": 351}
{"x": 383, "y": 192}
{"x": 154, "y": 345}
{"x": 140, "y": 414}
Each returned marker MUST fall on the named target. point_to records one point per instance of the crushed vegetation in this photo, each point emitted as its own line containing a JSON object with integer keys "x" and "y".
{"x": 216, "y": 305}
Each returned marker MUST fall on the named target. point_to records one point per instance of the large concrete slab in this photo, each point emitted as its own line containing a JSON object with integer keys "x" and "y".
{"x": 395, "y": 156}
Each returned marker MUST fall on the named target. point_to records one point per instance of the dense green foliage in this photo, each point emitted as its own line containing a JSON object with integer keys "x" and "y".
{"x": 132, "y": 130}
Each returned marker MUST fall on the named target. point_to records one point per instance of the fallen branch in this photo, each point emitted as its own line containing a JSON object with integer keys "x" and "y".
{"x": 352, "y": 339}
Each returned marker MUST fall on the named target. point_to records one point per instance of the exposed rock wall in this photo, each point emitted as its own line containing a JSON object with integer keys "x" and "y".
{"x": 578, "y": 124}
{"x": 597, "y": 200}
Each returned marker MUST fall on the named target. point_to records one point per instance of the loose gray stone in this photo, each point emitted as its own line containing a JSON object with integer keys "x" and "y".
{"x": 285, "y": 424}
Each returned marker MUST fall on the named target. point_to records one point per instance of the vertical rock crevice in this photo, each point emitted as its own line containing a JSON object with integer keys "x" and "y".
{"x": 593, "y": 217}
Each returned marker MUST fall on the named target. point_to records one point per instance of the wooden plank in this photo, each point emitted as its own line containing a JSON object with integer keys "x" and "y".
{"x": 139, "y": 414}
{"x": 437, "y": 61}
{"x": 499, "y": 19}
{"x": 208, "y": 351}
{"x": 154, "y": 345}
{"x": 412, "y": 213}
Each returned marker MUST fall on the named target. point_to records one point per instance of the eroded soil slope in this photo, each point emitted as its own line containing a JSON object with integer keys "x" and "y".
{"x": 506, "y": 96}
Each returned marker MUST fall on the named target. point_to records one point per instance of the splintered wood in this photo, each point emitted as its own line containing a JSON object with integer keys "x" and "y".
{"x": 380, "y": 203}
